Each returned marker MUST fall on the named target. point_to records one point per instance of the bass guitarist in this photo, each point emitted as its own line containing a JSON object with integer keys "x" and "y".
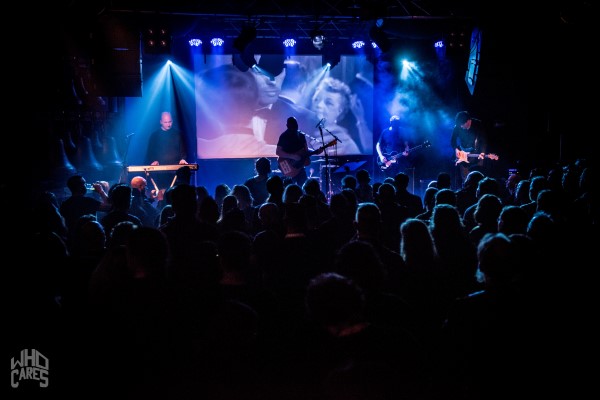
{"x": 292, "y": 146}
{"x": 393, "y": 149}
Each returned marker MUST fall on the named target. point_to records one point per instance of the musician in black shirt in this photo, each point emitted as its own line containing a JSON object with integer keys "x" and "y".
{"x": 292, "y": 150}
{"x": 166, "y": 145}
{"x": 392, "y": 148}
{"x": 469, "y": 142}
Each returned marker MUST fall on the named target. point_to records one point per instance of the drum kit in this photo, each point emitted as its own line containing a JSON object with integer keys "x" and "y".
{"x": 326, "y": 171}
{"x": 326, "y": 166}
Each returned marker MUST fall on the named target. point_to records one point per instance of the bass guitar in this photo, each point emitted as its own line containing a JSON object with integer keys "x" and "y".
{"x": 290, "y": 167}
{"x": 463, "y": 156}
{"x": 393, "y": 157}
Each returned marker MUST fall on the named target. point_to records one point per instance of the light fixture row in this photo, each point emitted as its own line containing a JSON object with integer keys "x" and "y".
{"x": 318, "y": 43}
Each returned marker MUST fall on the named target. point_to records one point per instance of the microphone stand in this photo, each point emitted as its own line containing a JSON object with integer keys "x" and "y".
{"x": 335, "y": 137}
{"x": 328, "y": 190}
{"x": 125, "y": 170}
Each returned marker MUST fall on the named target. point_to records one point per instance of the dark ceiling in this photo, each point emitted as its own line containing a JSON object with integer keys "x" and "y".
{"x": 338, "y": 19}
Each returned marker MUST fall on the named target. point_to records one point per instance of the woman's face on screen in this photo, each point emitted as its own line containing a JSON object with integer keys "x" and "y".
{"x": 328, "y": 105}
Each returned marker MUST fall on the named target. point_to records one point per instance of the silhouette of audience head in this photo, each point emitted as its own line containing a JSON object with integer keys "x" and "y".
{"x": 401, "y": 181}
{"x": 429, "y": 198}
{"x": 445, "y": 196}
{"x": 488, "y": 185}
{"x": 120, "y": 233}
{"x": 312, "y": 187}
{"x": 262, "y": 166}
{"x": 386, "y": 193}
{"x": 522, "y": 192}
{"x": 268, "y": 214}
{"x": 513, "y": 220}
{"x": 183, "y": 200}
{"x": 444, "y": 180}
{"x": 416, "y": 240}
{"x": 496, "y": 260}
{"x": 292, "y": 193}
{"x": 362, "y": 176}
{"x": 368, "y": 219}
{"x": 339, "y": 206}
{"x": 445, "y": 217}
{"x": 275, "y": 186}
{"x": 76, "y": 184}
{"x": 473, "y": 179}
{"x": 184, "y": 175}
{"x": 488, "y": 210}
{"x": 120, "y": 196}
{"x": 221, "y": 190}
{"x": 243, "y": 195}
{"x": 349, "y": 182}
{"x": 208, "y": 210}
{"x": 335, "y": 303}
{"x": 359, "y": 261}
{"x": 147, "y": 251}
{"x": 294, "y": 218}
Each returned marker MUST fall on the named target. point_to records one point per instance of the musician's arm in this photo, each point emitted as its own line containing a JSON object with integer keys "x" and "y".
{"x": 380, "y": 153}
{"x": 99, "y": 188}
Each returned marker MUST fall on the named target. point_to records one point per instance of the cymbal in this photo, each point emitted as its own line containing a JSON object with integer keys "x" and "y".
{"x": 321, "y": 160}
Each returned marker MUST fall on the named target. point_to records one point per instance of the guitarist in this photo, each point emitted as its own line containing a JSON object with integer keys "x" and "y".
{"x": 392, "y": 148}
{"x": 292, "y": 145}
{"x": 468, "y": 135}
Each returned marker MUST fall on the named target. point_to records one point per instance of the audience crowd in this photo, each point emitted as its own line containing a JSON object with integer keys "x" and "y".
{"x": 376, "y": 293}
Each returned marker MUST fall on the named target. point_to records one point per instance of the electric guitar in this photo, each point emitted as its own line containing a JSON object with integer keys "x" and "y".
{"x": 463, "y": 156}
{"x": 394, "y": 156}
{"x": 290, "y": 167}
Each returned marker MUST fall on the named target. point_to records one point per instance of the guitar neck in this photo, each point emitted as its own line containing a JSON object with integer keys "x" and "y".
{"x": 475, "y": 155}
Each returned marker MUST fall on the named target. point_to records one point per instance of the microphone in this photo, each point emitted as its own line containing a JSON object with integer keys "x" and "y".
{"x": 320, "y": 123}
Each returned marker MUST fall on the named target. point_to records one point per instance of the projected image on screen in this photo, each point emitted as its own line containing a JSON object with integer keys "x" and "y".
{"x": 241, "y": 114}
